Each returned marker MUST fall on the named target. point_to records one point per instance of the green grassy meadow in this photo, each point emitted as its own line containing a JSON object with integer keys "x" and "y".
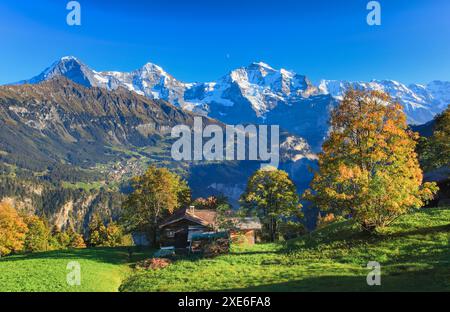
{"x": 414, "y": 255}
{"x": 102, "y": 270}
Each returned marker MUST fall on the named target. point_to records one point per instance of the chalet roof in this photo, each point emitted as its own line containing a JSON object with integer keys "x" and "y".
{"x": 248, "y": 224}
{"x": 203, "y": 217}
{"x": 208, "y": 218}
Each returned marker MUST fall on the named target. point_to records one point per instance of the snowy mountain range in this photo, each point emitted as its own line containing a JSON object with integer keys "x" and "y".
{"x": 421, "y": 103}
{"x": 254, "y": 93}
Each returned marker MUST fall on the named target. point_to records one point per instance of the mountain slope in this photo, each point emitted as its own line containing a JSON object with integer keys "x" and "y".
{"x": 150, "y": 80}
{"x": 59, "y": 120}
{"x": 421, "y": 103}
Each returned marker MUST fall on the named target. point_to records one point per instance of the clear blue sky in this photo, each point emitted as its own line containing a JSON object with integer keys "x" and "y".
{"x": 202, "y": 40}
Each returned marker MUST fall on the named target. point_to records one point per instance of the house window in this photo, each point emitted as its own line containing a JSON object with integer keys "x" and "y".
{"x": 170, "y": 234}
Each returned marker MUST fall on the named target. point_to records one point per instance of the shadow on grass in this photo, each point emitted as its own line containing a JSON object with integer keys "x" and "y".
{"x": 355, "y": 237}
{"x": 423, "y": 280}
{"x": 111, "y": 255}
{"x": 420, "y": 231}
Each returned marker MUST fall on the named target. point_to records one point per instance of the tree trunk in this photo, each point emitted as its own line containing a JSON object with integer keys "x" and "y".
{"x": 272, "y": 229}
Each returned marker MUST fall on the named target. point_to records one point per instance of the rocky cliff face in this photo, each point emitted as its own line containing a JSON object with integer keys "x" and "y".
{"x": 61, "y": 207}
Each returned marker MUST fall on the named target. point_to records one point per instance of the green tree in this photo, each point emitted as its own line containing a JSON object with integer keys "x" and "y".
{"x": 37, "y": 237}
{"x": 59, "y": 239}
{"x": 97, "y": 234}
{"x": 114, "y": 235}
{"x": 272, "y": 196}
{"x": 156, "y": 194}
{"x": 434, "y": 152}
{"x": 12, "y": 230}
{"x": 76, "y": 240}
{"x": 368, "y": 168}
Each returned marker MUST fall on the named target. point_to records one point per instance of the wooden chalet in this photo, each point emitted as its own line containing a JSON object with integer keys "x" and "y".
{"x": 179, "y": 228}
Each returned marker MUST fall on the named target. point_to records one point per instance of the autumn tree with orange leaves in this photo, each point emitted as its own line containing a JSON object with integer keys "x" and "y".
{"x": 368, "y": 168}
{"x": 12, "y": 230}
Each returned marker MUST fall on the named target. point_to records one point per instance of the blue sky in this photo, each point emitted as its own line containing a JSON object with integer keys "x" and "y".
{"x": 202, "y": 40}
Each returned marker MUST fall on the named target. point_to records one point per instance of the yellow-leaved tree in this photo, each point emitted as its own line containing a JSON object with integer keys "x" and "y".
{"x": 368, "y": 168}
{"x": 156, "y": 194}
{"x": 12, "y": 230}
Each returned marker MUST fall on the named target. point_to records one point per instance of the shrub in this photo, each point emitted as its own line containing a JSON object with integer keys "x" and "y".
{"x": 114, "y": 235}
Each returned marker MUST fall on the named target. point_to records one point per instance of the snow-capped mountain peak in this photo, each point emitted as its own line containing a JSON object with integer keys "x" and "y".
{"x": 258, "y": 84}
{"x": 154, "y": 69}
{"x": 262, "y": 64}
{"x": 68, "y": 58}
{"x": 419, "y": 102}
{"x": 440, "y": 91}
{"x": 250, "y": 91}
{"x": 70, "y": 67}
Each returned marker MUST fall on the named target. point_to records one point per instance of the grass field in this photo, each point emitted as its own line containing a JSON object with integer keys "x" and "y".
{"x": 414, "y": 255}
{"x": 102, "y": 270}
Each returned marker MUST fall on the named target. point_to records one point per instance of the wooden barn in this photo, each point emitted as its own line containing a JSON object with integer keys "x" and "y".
{"x": 247, "y": 228}
{"x": 178, "y": 229}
